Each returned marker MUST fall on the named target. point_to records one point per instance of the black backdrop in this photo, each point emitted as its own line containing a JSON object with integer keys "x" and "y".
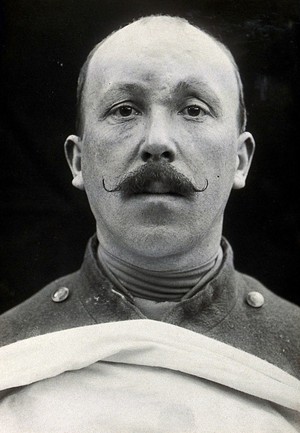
{"x": 45, "y": 223}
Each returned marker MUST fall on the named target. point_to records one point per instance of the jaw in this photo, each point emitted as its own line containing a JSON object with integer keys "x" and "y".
{"x": 152, "y": 243}
{"x": 162, "y": 240}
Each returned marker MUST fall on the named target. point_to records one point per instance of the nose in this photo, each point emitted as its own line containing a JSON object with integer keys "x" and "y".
{"x": 158, "y": 143}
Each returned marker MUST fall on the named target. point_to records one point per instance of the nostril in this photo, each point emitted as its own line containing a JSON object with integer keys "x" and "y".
{"x": 146, "y": 156}
{"x": 153, "y": 156}
{"x": 168, "y": 155}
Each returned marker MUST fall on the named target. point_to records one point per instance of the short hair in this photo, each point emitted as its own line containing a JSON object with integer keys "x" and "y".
{"x": 242, "y": 113}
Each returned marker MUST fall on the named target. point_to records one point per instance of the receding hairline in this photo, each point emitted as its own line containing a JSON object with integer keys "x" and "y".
{"x": 242, "y": 115}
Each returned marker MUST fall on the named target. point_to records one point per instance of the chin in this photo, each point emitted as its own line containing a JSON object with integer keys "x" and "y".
{"x": 158, "y": 241}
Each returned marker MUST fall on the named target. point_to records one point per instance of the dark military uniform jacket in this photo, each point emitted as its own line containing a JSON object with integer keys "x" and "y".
{"x": 266, "y": 326}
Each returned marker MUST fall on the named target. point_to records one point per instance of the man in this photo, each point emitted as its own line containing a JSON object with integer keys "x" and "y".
{"x": 157, "y": 329}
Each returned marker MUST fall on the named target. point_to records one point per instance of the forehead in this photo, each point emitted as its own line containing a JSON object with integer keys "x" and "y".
{"x": 162, "y": 52}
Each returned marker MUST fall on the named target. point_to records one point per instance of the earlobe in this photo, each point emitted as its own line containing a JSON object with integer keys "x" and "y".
{"x": 245, "y": 151}
{"x": 78, "y": 181}
{"x": 73, "y": 155}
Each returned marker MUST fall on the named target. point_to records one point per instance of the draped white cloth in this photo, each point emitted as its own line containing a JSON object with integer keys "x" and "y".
{"x": 141, "y": 376}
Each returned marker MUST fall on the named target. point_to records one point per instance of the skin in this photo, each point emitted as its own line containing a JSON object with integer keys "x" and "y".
{"x": 160, "y": 89}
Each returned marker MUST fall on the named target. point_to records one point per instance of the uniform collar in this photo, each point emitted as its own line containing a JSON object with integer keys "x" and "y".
{"x": 105, "y": 302}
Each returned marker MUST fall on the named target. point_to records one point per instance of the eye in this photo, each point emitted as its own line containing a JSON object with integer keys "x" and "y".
{"x": 124, "y": 111}
{"x": 193, "y": 111}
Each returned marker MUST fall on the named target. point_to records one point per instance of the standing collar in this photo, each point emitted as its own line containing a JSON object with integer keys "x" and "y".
{"x": 102, "y": 297}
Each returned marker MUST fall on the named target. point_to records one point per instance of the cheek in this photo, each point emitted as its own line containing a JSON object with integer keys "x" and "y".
{"x": 212, "y": 151}
{"x": 100, "y": 156}
{"x": 112, "y": 147}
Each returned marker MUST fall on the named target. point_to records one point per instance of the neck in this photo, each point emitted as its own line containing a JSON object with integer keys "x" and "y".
{"x": 166, "y": 285}
{"x": 186, "y": 256}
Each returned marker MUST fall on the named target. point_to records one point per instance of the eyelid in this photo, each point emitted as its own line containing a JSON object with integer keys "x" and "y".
{"x": 126, "y": 103}
{"x": 196, "y": 102}
{"x": 204, "y": 111}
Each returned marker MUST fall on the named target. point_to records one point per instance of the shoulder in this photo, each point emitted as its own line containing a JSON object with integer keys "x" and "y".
{"x": 273, "y": 308}
{"x": 266, "y": 325}
{"x": 40, "y": 314}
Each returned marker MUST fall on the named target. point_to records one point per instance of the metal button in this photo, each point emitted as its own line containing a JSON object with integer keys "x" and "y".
{"x": 60, "y": 294}
{"x": 255, "y": 299}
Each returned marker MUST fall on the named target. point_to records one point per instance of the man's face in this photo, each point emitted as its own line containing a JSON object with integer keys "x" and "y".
{"x": 166, "y": 93}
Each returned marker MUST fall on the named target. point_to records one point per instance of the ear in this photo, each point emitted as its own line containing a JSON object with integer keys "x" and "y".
{"x": 245, "y": 151}
{"x": 73, "y": 146}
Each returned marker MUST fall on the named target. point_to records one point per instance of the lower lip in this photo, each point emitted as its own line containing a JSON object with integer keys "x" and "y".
{"x": 156, "y": 197}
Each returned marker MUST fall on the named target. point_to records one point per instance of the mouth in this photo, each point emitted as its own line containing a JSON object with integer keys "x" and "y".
{"x": 158, "y": 188}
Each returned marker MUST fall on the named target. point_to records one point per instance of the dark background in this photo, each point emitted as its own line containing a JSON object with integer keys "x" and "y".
{"x": 45, "y": 223}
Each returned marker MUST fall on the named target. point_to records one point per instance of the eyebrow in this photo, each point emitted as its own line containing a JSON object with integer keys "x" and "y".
{"x": 190, "y": 86}
{"x": 201, "y": 90}
{"x": 118, "y": 88}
